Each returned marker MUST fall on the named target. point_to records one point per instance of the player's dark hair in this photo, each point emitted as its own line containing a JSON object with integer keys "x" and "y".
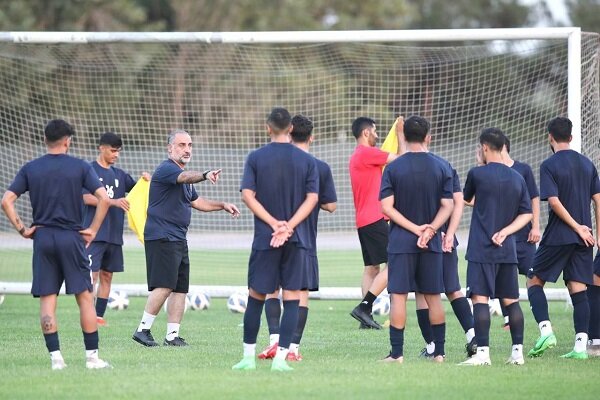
{"x": 279, "y": 119}
{"x": 360, "y": 124}
{"x": 111, "y": 139}
{"x": 493, "y": 137}
{"x": 301, "y": 129}
{"x": 507, "y": 143}
{"x": 560, "y": 128}
{"x": 57, "y": 129}
{"x": 416, "y": 129}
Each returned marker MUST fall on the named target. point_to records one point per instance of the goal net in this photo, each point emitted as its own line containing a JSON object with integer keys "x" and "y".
{"x": 222, "y": 92}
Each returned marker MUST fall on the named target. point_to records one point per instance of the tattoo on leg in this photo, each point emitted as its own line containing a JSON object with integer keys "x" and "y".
{"x": 47, "y": 324}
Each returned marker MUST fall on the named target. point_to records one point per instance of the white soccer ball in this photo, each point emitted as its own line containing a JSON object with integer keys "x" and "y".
{"x": 494, "y": 306}
{"x": 187, "y": 306}
{"x": 118, "y": 300}
{"x": 237, "y": 302}
{"x": 381, "y": 305}
{"x": 199, "y": 301}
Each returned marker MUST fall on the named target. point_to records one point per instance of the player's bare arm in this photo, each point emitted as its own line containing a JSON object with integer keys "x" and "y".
{"x": 446, "y": 207}
{"x": 89, "y": 233}
{"x": 584, "y": 232}
{"x": 596, "y": 200}
{"x": 535, "y": 234}
{"x": 195, "y": 176}
{"x": 329, "y": 207}
{"x": 8, "y": 205}
{"x": 280, "y": 236}
{"x": 207, "y": 205}
{"x": 518, "y": 223}
{"x": 249, "y": 199}
{"x": 387, "y": 207}
{"x": 459, "y": 205}
{"x": 91, "y": 200}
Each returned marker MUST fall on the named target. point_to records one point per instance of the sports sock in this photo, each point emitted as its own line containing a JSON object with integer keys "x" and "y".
{"x": 289, "y": 321}
{"x": 481, "y": 315}
{"x": 593, "y": 293}
{"x": 101, "y": 306}
{"x": 396, "y": 341}
{"x": 545, "y": 328}
{"x": 517, "y": 351}
{"x": 302, "y": 316}
{"x": 273, "y": 314}
{"x": 52, "y": 343}
{"x": 252, "y": 319}
{"x": 581, "y": 313}
{"x": 249, "y": 349}
{"x": 147, "y": 321}
{"x": 539, "y": 303}
{"x": 294, "y": 347}
{"x": 56, "y": 355}
{"x": 581, "y": 340}
{"x": 273, "y": 338}
{"x": 463, "y": 313}
{"x": 282, "y": 353}
{"x": 90, "y": 341}
{"x": 516, "y": 322}
{"x": 425, "y": 325}
{"x": 439, "y": 335}
{"x": 367, "y": 302}
{"x": 172, "y": 330}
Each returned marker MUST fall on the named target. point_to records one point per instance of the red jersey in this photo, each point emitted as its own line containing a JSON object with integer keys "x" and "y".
{"x": 365, "y": 176}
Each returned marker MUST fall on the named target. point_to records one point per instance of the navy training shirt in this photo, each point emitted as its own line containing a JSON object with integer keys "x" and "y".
{"x": 527, "y": 174}
{"x": 327, "y": 195}
{"x": 55, "y": 183}
{"x": 117, "y": 183}
{"x": 572, "y": 178}
{"x": 169, "y": 204}
{"x": 418, "y": 182}
{"x": 281, "y": 175}
{"x": 500, "y": 196}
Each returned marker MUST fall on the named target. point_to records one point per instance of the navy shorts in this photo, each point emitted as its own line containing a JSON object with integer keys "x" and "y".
{"x": 418, "y": 272}
{"x": 451, "y": 280}
{"x": 492, "y": 280}
{"x": 167, "y": 265}
{"x": 373, "y": 242}
{"x": 105, "y": 256}
{"x": 573, "y": 260}
{"x": 59, "y": 256}
{"x": 597, "y": 264}
{"x": 525, "y": 254}
{"x": 311, "y": 277}
{"x": 284, "y": 266}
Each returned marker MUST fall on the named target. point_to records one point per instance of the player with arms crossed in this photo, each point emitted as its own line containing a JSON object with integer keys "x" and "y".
{"x": 171, "y": 199}
{"x": 105, "y": 254}
{"x": 415, "y": 245}
{"x": 502, "y": 207}
{"x": 302, "y": 137}
{"x": 280, "y": 186}
{"x": 55, "y": 182}
{"x": 569, "y": 182}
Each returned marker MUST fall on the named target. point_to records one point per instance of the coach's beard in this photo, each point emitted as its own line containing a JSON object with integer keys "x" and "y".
{"x": 185, "y": 160}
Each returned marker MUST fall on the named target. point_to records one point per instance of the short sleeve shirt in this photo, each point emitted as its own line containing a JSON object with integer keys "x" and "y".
{"x": 169, "y": 204}
{"x": 572, "y": 178}
{"x": 281, "y": 175}
{"x": 500, "y": 196}
{"x": 527, "y": 174}
{"x": 365, "y": 176}
{"x": 418, "y": 182}
{"x": 327, "y": 195}
{"x": 117, "y": 183}
{"x": 55, "y": 183}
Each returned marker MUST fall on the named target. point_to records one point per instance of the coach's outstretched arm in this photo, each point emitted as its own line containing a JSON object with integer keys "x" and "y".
{"x": 207, "y": 205}
{"x": 8, "y": 206}
{"x": 211, "y": 175}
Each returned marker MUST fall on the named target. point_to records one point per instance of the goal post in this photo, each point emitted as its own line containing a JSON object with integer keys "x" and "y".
{"x": 220, "y": 85}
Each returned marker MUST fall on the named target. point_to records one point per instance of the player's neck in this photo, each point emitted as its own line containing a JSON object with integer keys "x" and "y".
{"x": 416, "y": 147}
{"x": 280, "y": 137}
{"x": 561, "y": 146}
{"x": 508, "y": 161}
{"x": 57, "y": 150}
{"x": 302, "y": 146}
{"x": 102, "y": 163}
{"x": 494, "y": 157}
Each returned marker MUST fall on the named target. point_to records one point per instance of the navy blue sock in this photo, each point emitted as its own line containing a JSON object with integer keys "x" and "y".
{"x": 439, "y": 338}
{"x": 52, "y": 343}
{"x": 425, "y": 325}
{"x": 593, "y": 294}
{"x": 101, "y": 306}
{"x": 397, "y": 342}
{"x": 302, "y": 316}
{"x": 273, "y": 314}
{"x": 463, "y": 313}
{"x": 90, "y": 340}
{"x": 581, "y": 312}
{"x": 289, "y": 321}
{"x": 481, "y": 315}
{"x": 367, "y": 303}
{"x": 252, "y": 319}
{"x": 516, "y": 322}
{"x": 538, "y": 303}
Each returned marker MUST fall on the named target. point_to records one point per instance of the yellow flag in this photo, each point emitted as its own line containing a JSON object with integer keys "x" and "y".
{"x": 390, "y": 144}
{"x": 138, "y": 206}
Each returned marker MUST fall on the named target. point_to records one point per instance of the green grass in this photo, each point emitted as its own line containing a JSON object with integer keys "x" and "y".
{"x": 339, "y": 360}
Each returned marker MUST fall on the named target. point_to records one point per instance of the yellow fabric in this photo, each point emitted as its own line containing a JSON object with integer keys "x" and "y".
{"x": 138, "y": 205}
{"x": 390, "y": 144}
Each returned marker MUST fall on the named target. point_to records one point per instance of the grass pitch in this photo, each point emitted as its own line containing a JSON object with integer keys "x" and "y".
{"x": 340, "y": 361}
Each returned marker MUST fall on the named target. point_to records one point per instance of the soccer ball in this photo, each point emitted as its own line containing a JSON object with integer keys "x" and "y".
{"x": 199, "y": 301}
{"x": 118, "y": 300}
{"x": 381, "y": 305}
{"x": 236, "y": 303}
{"x": 494, "y": 306}
{"x": 187, "y": 306}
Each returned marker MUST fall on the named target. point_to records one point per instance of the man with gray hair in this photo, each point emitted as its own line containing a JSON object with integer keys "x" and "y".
{"x": 171, "y": 198}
